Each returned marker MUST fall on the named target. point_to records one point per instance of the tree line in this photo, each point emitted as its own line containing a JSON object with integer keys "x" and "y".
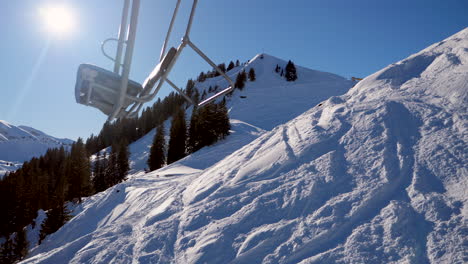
{"x": 214, "y": 73}
{"x": 46, "y": 183}
{"x": 130, "y": 130}
{"x": 208, "y": 124}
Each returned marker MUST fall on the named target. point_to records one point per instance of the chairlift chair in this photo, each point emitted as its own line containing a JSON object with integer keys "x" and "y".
{"x": 117, "y": 96}
{"x": 99, "y": 88}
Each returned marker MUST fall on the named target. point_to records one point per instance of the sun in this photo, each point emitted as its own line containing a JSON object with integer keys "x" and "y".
{"x": 57, "y": 20}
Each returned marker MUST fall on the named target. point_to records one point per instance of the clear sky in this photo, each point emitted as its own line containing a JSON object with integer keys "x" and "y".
{"x": 349, "y": 38}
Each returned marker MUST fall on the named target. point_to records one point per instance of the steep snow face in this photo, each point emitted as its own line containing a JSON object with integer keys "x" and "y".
{"x": 21, "y": 143}
{"x": 374, "y": 176}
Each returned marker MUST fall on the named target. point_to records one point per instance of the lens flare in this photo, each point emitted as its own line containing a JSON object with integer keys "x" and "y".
{"x": 57, "y": 19}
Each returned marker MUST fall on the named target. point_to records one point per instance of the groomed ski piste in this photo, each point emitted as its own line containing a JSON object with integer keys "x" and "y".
{"x": 377, "y": 175}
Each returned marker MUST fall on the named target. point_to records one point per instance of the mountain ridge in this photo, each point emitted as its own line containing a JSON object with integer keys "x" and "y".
{"x": 21, "y": 143}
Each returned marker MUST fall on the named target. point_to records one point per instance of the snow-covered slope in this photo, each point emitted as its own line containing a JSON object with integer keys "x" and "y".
{"x": 267, "y": 102}
{"x": 374, "y": 176}
{"x": 21, "y": 143}
{"x": 274, "y": 100}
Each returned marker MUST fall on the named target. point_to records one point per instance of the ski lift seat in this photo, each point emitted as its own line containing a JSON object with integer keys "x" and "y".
{"x": 100, "y": 88}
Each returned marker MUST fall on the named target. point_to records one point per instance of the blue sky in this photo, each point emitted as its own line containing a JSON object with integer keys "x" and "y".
{"x": 349, "y": 38}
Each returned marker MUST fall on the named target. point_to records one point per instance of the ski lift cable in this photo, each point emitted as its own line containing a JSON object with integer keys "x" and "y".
{"x": 113, "y": 92}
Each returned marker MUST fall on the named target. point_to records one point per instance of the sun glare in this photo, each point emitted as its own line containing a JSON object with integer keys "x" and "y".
{"x": 57, "y": 19}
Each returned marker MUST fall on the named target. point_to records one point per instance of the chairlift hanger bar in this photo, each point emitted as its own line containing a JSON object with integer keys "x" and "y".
{"x": 185, "y": 41}
{"x": 169, "y": 31}
{"x": 128, "y": 52}
{"x": 122, "y": 37}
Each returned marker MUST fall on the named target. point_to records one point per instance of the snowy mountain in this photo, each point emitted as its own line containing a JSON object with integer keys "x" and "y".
{"x": 21, "y": 143}
{"x": 261, "y": 105}
{"x": 377, "y": 175}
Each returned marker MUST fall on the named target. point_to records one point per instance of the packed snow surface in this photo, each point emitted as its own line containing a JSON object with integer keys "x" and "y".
{"x": 377, "y": 175}
{"x": 21, "y": 143}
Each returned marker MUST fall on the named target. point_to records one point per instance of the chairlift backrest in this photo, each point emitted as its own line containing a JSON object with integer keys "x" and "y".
{"x": 100, "y": 88}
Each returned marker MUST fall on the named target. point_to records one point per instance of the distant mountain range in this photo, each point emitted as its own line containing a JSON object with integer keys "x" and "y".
{"x": 21, "y": 143}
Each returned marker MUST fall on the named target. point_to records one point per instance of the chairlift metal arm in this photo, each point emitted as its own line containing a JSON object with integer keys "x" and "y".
{"x": 185, "y": 41}
{"x": 135, "y": 108}
{"x": 128, "y": 58}
{"x": 213, "y": 97}
{"x": 174, "y": 15}
{"x": 192, "y": 15}
{"x": 197, "y": 50}
{"x": 122, "y": 37}
{"x": 140, "y": 100}
{"x": 179, "y": 90}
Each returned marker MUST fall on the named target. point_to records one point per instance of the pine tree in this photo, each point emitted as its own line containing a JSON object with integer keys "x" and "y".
{"x": 99, "y": 181}
{"x": 237, "y": 63}
{"x": 230, "y": 66}
{"x": 111, "y": 168}
{"x": 196, "y": 96}
{"x": 189, "y": 88}
{"x": 201, "y": 77}
{"x": 290, "y": 74}
{"x": 20, "y": 245}
{"x": 7, "y": 252}
{"x": 240, "y": 80}
{"x": 224, "y": 124}
{"x": 222, "y": 67}
{"x": 79, "y": 171}
{"x": 107, "y": 169}
{"x": 178, "y": 136}
{"x": 15, "y": 248}
{"x": 252, "y": 75}
{"x": 123, "y": 166}
{"x": 207, "y": 125}
{"x": 56, "y": 218}
{"x": 193, "y": 133}
{"x": 157, "y": 157}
